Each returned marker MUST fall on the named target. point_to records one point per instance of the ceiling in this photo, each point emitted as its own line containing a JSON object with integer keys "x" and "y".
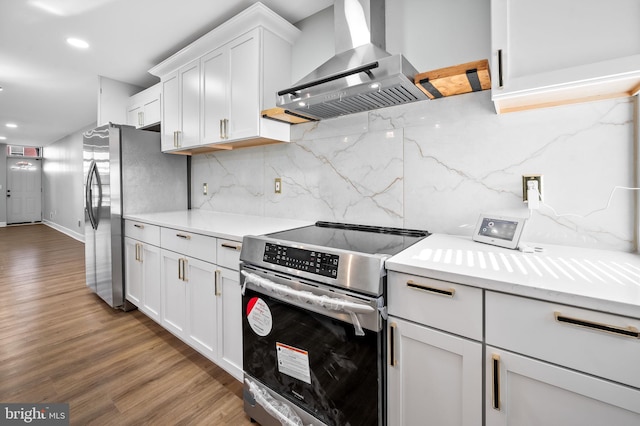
{"x": 50, "y": 88}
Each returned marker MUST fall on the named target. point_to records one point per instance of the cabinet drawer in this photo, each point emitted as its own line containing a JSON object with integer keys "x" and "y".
{"x": 141, "y": 231}
{"x": 604, "y": 345}
{"x": 447, "y": 306}
{"x": 199, "y": 246}
{"x": 229, "y": 253}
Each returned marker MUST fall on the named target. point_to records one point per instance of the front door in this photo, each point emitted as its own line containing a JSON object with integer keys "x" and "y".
{"x": 24, "y": 190}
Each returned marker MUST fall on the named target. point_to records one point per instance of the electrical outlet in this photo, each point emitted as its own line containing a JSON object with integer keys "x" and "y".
{"x": 277, "y": 188}
{"x": 205, "y": 189}
{"x": 530, "y": 179}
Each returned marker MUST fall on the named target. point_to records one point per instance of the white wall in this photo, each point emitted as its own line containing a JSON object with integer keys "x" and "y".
{"x": 62, "y": 185}
{"x": 437, "y": 164}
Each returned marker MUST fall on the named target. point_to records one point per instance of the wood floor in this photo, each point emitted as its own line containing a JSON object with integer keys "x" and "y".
{"x": 60, "y": 343}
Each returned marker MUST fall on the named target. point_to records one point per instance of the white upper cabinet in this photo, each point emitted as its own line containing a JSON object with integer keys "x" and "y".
{"x": 241, "y": 65}
{"x": 143, "y": 109}
{"x": 550, "y": 52}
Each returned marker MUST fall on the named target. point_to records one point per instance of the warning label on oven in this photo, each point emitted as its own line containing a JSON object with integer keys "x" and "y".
{"x": 259, "y": 316}
{"x": 293, "y": 362}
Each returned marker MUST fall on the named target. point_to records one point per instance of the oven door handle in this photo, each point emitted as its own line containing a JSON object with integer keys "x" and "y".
{"x": 279, "y": 410}
{"x": 326, "y": 302}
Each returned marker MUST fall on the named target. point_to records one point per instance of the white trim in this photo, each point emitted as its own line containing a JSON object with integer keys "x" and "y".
{"x": 73, "y": 234}
{"x": 3, "y": 224}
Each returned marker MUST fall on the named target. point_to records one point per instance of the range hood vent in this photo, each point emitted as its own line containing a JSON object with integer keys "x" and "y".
{"x": 362, "y": 76}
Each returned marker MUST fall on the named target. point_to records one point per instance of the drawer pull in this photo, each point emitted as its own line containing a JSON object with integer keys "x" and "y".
{"x": 184, "y": 237}
{"x": 444, "y": 292}
{"x": 495, "y": 360}
{"x": 500, "y": 70}
{"x": 236, "y": 247}
{"x": 137, "y": 225}
{"x": 392, "y": 344}
{"x": 620, "y": 331}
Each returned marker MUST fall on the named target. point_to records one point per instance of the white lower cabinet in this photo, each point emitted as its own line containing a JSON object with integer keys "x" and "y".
{"x": 557, "y": 365}
{"x": 435, "y": 352}
{"x": 522, "y": 391}
{"x": 174, "y": 293}
{"x": 189, "y": 301}
{"x": 434, "y": 377}
{"x": 229, "y": 320}
{"x": 142, "y": 268}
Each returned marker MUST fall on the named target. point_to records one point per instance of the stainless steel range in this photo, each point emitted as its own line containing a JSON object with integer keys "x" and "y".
{"x": 314, "y": 316}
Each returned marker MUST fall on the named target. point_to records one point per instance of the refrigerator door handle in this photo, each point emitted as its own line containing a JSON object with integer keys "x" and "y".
{"x": 93, "y": 172}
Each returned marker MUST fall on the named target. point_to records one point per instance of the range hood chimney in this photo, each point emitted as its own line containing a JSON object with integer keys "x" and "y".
{"x": 362, "y": 76}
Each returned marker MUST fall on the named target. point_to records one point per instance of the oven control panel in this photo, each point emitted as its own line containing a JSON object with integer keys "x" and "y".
{"x": 314, "y": 262}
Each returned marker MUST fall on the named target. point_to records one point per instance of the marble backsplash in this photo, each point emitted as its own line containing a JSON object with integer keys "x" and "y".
{"x": 437, "y": 165}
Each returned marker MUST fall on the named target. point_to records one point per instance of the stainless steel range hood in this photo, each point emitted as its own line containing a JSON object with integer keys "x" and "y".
{"x": 362, "y": 76}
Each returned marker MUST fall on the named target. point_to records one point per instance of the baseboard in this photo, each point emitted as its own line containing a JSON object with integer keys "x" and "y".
{"x": 75, "y": 235}
{"x": 3, "y": 224}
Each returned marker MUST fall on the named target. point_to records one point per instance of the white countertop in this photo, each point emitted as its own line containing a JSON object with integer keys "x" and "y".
{"x": 607, "y": 281}
{"x": 221, "y": 225}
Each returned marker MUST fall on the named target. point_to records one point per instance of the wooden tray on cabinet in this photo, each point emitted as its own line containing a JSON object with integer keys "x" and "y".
{"x": 455, "y": 80}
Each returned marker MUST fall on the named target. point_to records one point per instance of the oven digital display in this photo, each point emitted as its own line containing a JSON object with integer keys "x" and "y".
{"x": 314, "y": 262}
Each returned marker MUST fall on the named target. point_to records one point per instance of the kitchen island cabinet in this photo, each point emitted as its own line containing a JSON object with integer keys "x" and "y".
{"x": 561, "y": 330}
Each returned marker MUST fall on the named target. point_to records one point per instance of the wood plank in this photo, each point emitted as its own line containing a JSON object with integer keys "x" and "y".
{"x": 61, "y": 343}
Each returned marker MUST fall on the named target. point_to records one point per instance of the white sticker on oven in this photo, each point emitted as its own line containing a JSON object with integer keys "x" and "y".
{"x": 259, "y": 316}
{"x": 293, "y": 362}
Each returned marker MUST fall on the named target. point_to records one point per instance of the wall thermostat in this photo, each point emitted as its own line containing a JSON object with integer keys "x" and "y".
{"x": 500, "y": 231}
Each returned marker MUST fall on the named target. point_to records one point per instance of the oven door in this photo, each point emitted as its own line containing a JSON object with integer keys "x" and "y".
{"x": 310, "y": 353}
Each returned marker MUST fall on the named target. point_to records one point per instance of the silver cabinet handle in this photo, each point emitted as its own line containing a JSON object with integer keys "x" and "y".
{"x": 450, "y": 292}
{"x": 177, "y": 139}
{"x": 137, "y": 225}
{"x": 137, "y": 254}
{"x": 140, "y": 118}
{"x": 630, "y": 331}
{"x": 182, "y": 269}
{"x": 226, "y": 128}
{"x": 221, "y": 128}
{"x": 183, "y": 236}
{"x": 140, "y": 250}
{"x": 217, "y": 277}
{"x": 236, "y": 247}
{"x": 392, "y": 344}
{"x": 495, "y": 361}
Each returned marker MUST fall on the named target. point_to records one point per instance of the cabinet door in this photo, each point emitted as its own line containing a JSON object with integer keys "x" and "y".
{"x": 133, "y": 271}
{"x": 215, "y": 95}
{"x": 151, "y": 285}
{"x": 151, "y": 112}
{"x": 433, "y": 375}
{"x": 521, "y": 391}
{"x": 229, "y": 321}
{"x": 201, "y": 307}
{"x": 133, "y": 116}
{"x": 170, "y": 111}
{"x": 577, "y": 51}
{"x": 174, "y": 292}
{"x": 190, "y": 105}
{"x": 245, "y": 86}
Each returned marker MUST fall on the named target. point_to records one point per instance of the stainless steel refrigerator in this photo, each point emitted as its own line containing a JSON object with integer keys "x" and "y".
{"x": 124, "y": 173}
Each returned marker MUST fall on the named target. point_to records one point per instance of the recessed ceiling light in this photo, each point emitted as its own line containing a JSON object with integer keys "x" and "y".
{"x": 12, "y": 125}
{"x": 1, "y": 88}
{"x": 3, "y": 138}
{"x": 76, "y": 42}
